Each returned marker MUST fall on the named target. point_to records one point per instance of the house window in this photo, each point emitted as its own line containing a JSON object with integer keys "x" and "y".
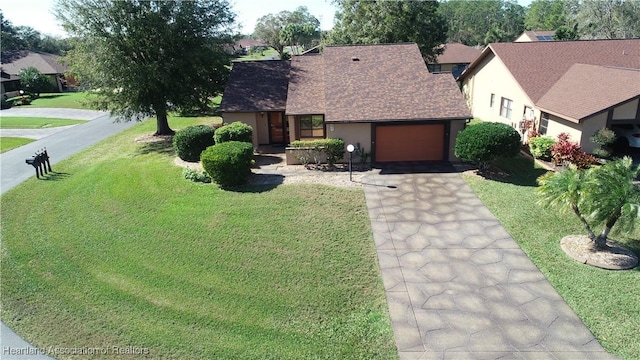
{"x": 434, "y": 68}
{"x": 311, "y": 126}
{"x": 493, "y": 100}
{"x": 544, "y": 123}
{"x": 505, "y": 108}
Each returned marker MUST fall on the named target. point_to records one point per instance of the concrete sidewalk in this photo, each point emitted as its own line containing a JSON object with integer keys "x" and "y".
{"x": 458, "y": 286}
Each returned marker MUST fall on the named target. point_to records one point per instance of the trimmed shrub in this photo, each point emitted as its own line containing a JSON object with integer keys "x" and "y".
{"x": 196, "y": 176}
{"x": 191, "y": 141}
{"x": 605, "y": 138}
{"x": 332, "y": 148}
{"x": 487, "y": 141}
{"x": 236, "y": 131}
{"x": 540, "y": 147}
{"x": 228, "y": 163}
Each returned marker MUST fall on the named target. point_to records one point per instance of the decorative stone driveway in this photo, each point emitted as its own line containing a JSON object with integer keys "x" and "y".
{"x": 457, "y": 284}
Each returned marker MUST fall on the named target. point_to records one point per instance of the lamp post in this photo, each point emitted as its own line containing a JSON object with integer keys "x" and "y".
{"x": 350, "y": 149}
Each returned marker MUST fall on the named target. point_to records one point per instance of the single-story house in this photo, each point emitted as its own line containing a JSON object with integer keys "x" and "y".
{"x": 47, "y": 64}
{"x": 536, "y": 35}
{"x": 380, "y": 96}
{"x": 575, "y": 87}
{"x": 455, "y": 58}
{"x": 10, "y": 85}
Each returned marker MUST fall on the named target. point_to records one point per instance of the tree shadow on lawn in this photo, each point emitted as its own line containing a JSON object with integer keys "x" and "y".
{"x": 49, "y": 96}
{"x": 164, "y": 147}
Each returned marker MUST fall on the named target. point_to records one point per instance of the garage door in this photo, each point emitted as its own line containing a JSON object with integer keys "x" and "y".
{"x": 424, "y": 142}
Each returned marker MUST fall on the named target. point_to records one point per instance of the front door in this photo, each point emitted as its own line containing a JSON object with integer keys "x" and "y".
{"x": 276, "y": 128}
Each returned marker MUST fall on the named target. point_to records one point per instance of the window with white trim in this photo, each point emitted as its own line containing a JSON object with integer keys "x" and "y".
{"x": 492, "y": 101}
{"x": 505, "y": 108}
{"x": 544, "y": 123}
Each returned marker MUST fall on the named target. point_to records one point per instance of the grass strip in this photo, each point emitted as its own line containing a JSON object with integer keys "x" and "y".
{"x": 605, "y": 300}
{"x": 7, "y": 143}
{"x": 11, "y": 122}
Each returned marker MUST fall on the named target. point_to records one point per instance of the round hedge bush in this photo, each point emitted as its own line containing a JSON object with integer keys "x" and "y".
{"x": 540, "y": 147}
{"x": 487, "y": 141}
{"x": 228, "y": 163}
{"x": 191, "y": 141}
{"x": 236, "y": 131}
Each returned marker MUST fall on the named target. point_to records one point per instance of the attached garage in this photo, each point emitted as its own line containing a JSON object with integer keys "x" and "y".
{"x": 410, "y": 142}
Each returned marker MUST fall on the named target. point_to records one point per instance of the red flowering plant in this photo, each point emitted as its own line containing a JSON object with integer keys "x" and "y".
{"x": 564, "y": 150}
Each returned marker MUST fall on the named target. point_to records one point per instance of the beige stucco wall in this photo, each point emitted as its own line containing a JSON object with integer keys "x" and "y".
{"x": 626, "y": 111}
{"x": 492, "y": 76}
{"x": 247, "y": 118}
{"x": 579, "y": 133}
{"x": 351, "y": 134}
{"x": 259, "y": 124}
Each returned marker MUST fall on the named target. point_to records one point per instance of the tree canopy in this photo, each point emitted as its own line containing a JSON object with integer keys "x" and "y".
{"x": 379, "y": 22}
{"x": 608, "y": 19}
{"x": 144, "y": 58}
{"x": 27, "y": 38}
{"x": 481, "y": 22}
{"x": 297, "y": 28}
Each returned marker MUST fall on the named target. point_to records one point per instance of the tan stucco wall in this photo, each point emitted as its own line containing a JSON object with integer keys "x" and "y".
{"x": 492, "y": 76}
{"x": 456, "y": 127}
{"x": 523, "y": 38}
{"x": 579, "y": 133}
{"x": 247, "y": 118}
{"x": 259, "y": 124}
{"x": 292, "y": 127}
{"x": 626, "y": 111}
{"x": 351, "y": 134}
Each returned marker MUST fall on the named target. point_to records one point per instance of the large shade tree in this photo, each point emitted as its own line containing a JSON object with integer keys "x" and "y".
{"x": 144, "y": 58}
{"x": 288, "y": 28}
{"x": 600, "y": 196}
{"x": 379, "y": 22}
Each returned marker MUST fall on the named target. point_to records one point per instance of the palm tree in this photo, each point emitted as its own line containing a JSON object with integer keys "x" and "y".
{"x": 602, "y": 195}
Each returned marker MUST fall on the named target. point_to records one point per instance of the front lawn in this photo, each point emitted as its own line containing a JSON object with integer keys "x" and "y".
{"x": 69, "y": 100}
{"x": 11, "y": 122}
{"x": 607, "y": 301}
{"x": 8, "y": 143}
{"x": 118, "y": 249}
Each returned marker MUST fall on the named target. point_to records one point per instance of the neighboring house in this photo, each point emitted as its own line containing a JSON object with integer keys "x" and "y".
{"x": 455, "y": 58}
{"x": 536, "y": 35}
{"x": 380, "y": 96}
{"x": 575, "y": 87}
{"x": 10, "y": 85}
{"x": 47, "y": 64}
{"x": 244, "y": 46}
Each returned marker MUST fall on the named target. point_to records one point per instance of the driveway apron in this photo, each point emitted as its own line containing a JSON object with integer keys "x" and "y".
{"x": 458, "y": 286}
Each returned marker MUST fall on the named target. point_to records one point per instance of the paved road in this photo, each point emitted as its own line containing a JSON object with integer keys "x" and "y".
{"x": 457, "y": 285}
{"x": 73, "y": 114}
{"x": 14, "y": 170}
{"x": 59, "y": 146}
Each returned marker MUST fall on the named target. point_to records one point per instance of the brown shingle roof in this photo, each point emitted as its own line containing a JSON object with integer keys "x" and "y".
{"x": 14, "y": 61}
{"x": 306, "y": 85}
{"x": 386, "y": 83}
{"x": 585, "y": 90}
{"x": 257, "y": 86}
{"x": 456, "y": 53}
{"x": 536, "y": 66}
{"x": 248, "y": 43}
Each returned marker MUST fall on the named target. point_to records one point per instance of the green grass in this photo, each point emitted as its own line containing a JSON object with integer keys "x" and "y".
{"x": 10, "y": 122}
{"x": 8, "y": 143}
{"x": 260, "y": 55}
{"x": 69, "y": 100}
{"x": 606, "y": 301}
{"x": 118, "y": 249}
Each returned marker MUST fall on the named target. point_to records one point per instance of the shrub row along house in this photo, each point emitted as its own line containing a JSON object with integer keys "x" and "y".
{"x": 380, "y": 96}
{"x": 575, "y": 87}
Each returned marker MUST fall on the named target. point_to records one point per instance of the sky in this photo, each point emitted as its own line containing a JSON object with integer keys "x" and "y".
{"x": 37, "y": 13}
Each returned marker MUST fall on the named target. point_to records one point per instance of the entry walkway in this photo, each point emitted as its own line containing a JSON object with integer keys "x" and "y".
{"x": 458, "y": 286}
